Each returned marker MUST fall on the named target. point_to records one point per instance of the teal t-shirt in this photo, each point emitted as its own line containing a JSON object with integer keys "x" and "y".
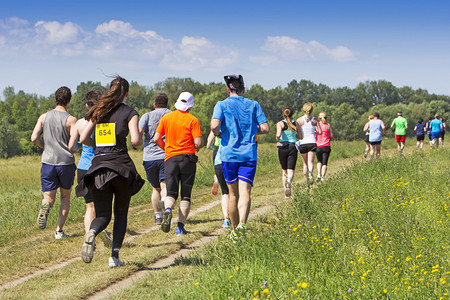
{"x": 400, "y": 125}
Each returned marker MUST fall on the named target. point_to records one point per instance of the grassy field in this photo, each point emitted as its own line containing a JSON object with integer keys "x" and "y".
{"x": 375, "y": 230}
{"x": 284, "y": 249}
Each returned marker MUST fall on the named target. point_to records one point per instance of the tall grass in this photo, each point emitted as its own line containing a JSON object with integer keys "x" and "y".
{"x": 376, "y": 230}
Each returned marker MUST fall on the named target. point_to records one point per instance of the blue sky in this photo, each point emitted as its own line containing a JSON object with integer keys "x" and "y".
{"x": 46, "y": 44}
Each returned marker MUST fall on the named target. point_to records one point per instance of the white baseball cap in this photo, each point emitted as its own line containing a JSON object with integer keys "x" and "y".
{"x": 185, "y": 101}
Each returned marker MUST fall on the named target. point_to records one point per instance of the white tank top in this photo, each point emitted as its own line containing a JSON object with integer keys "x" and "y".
{"x": 308, "y": 130}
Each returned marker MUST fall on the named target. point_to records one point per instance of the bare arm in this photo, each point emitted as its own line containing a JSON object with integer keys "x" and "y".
{"x": 215, "y": 126}
{"x": 383, "y": 127}
{"x": 263, "y": 128}
{"x": 37, "y": 132}
{"x": 366, "y": 127}
{"x": 299, "y": 131}
{"x": 198, "y": 143}
{"x": 317, "y": 126}
{"x": 157, "y": 138}
{"x": 415, "y": 128}
{"x": 279, "y": 130}
{"x": 210, "y": 140}
{"x": 331, "y": 131}
{"x": 74, "y": 133}
{"x": 85, "y": 136}
{"x": 136, "y": 140}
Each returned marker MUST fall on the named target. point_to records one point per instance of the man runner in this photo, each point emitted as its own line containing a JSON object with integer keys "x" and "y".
{"x": 400, "y": 124}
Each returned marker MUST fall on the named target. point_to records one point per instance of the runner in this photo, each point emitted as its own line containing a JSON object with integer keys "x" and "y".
{"x": 183, "y": 139}
{"x": 444, "y": 127}
{"x": 376, "y": 128}
{"x": 436, "y": 129}
{"x": 112, "y": 173}
{"x": 213, "y": 143}
{"x": 400, "y": 124}
{"x": 153, "y": 159}
{"x": 420, "y": 133}
{"x": 323, "y": 146}
{"x": 58, "y": 163}
{"x": 237, "y": 120}
{"x": 366, "y": 140}
{"x": 428, "y": 129}
{"x": 307, "y": 146}
{"x": 84, "y": 164}
{"x": 287, "y": 135}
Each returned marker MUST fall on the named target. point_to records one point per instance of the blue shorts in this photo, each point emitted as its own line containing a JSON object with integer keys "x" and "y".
{"x": 435, "y": 135}
{"x": 245, "y": 171}
{"x": 155, "y": 172}
{"x": 53, "y": 177}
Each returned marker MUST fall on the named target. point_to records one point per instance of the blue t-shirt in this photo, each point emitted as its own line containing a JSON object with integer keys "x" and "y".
{"x": 420, "y": 129}
{"x": 239, "y": 119}
{"x": 85, "y": 161}
{"x": 436, "y": 125}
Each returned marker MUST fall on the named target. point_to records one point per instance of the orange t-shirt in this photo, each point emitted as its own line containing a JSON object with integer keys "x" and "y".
{"x": 180, "y": 129}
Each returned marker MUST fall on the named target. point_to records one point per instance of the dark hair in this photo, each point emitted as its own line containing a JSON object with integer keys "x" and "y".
{"x": 63, "y": 96}
{"x": 92, "y": 97}
{"x": 118, "y": 90}
{"x": 287, "y": 115}
{"x": 161, "y": 100}
{"x": 420, "y": 121}
{"x": 376, "y": 115}
{"x": 235, "y": 85}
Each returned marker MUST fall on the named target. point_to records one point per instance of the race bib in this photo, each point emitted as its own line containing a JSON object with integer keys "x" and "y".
{"x": 105, "y": 134}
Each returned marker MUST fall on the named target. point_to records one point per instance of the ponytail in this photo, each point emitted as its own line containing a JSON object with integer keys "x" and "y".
{"x": 287, "y": 115}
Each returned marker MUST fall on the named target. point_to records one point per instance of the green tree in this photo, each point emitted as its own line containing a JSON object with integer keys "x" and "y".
{"x": 9, "y": 142}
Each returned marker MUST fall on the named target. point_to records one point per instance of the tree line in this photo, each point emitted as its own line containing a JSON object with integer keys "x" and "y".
{"x": 347, "y": 109}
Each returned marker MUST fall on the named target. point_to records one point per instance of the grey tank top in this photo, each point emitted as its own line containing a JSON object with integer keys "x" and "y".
{"x": 56, "y": 139}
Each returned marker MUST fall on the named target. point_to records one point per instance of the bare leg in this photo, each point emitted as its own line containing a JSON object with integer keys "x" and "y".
{"x": 305, "y": 165}
{"x": 233, "y": 199}
{"x": 169, "y": 202}
{"x": 311, "y": 156}
{"x": 324, "y": 170}
{"x": 244, "y": 202}
{"x": 319, "y": 170}
{"x": 156, "y": 199}
{"x": 49, "y": 197}
{"x": 378, "y": 149}
{"x": 89, "y": 215}
{"x": 185, "y": 207}
{"x": 225, "y": 206}
{"x": 64, "y": 208}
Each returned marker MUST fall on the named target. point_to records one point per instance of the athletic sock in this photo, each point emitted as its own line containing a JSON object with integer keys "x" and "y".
{"x": 169, "y": 209}
{"x": 180, "y": 225}
{"x": 158, "y": 214}
{"x": 115, "y": 253}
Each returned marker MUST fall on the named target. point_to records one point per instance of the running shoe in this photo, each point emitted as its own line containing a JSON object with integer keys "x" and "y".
{"x": 43, "y": 215}
{"x": 240, "y": 229}
{"x": 158, "y": 220}
{"x": 214, "y": 189}
{"x": 322, "y": 179}
{"x": 60, "y": 234}
{"x": 167, "y": 219}
{"x": 181, "y": 231}
{"x": 365, "y": 154}
{"x": 87, "y": 251}
{"x": 105, "y": 236}
{"x": 287, "y": 192}
{"x": 234, "y": 237}
{"x": 226, "y": 223}
{"x": 115, "y": 262}
{"x": 318, "y": 178}
{"x": 311, "y": 180}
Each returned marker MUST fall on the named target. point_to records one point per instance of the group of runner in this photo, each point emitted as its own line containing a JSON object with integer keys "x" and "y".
{"x": 310, "y": 137}
{"x": 375, "y": 129}
{"x": 171, "y": 140}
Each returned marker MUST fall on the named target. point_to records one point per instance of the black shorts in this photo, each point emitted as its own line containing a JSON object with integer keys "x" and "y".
{"x": 219, "y": 173}
{"x": 420, "y": 137}
{"x": 323, "y": 153}
{"x": 287, "y": 154}
{"x": 80, "y": 174}
{"x": 442, "y": 135}
{"x": 366, "y": 138}
{"x": 180, "y": 169}
{"x": 375, "y": 143}
{"x": 307, "y": 148}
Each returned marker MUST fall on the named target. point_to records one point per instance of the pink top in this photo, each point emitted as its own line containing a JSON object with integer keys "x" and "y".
{"x": 323, "y": 140}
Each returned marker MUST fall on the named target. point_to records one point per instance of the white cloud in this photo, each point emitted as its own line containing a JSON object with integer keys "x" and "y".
{"x": 199, "y": 53}
{"x": 264, "y": 60}
{"x": 57, "y": 33}
{"x": 290, "y": 49}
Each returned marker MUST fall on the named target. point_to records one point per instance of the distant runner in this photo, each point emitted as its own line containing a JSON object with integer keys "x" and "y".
{"x": 376, "y": 129}
{"x": 400, "y": 124}
{"x": 366, "y": 140}
{"x": 323, "y": 146}
{"x": 436, "y": 129}
{"x": 420, "y": 133}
